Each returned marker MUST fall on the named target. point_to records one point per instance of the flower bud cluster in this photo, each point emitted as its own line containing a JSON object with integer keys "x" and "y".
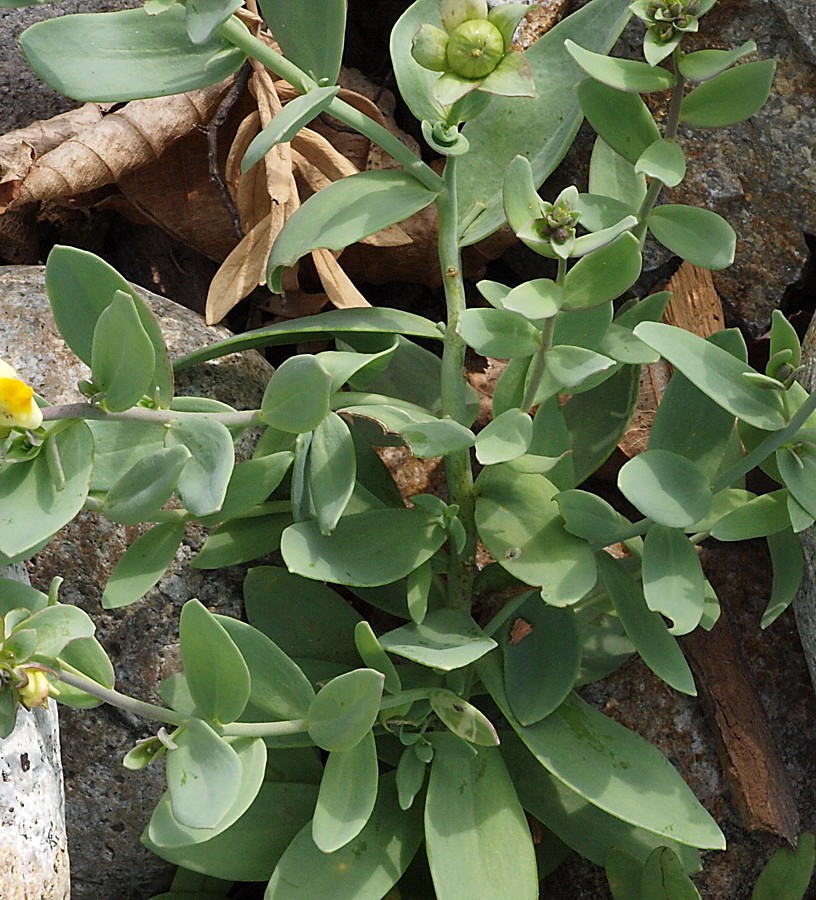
{"x": 665, "y": 18}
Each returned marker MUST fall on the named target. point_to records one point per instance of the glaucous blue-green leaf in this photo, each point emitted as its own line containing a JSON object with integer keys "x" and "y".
{"x": 251, "y": 482}
{"x": 16, "y": 595}
{"x": 332, "y": 470}
{"x": 542, "y": 656}
{"x": 622, "y": 120}
{"x": 410, "y": 777}
{"x": 84, "y": 656}
{"x": 664, "y": 879}
{"x": 647, "y": 309}
{"x": 357, "y": 366}
{"x": 623, "y": 874}
{"x": 164, "y": 830}
{"x": 142, "y": 565}
{"x": 499, "y": 333}
{"x": 342, "y": 714}
{"x": 293, "y": 24}
{"x": 33, "y": 503}
{"x": 324, "y": 326}
{"x": 476, "y": 835}
{"x": 118, "y": 446}
{"x": 798, "y": 472}
{"x": 716, "y": 372}
{"x": 784, "y": 337}
{"x": 343, "y": 213}
{"x": 521, "y": 201}
{"x": 800, "y": 518}
{"x": 704, "y": 64}
{"x": 551, "y": 439}
{"x": 278, "y": 688}
{"x": 611, "y": 175}
{"x": 611, "y": 767}
{"x": 203, "y": 776}
{"x": 242, "y": 540}
{"x": 366, "y": 549}
{"x": 205, "y": 16}
{"x": 122, "y": 357}
{"x": 621, "y": 344}
{"x": 217, "y": 676}
{"x": 504, "y": 438}
{"x": 447, "y": 639}
{"x": 663, "y": 160}
{"x": 297, "y": 396}
{"x": 348, "y": 792}
{"x": 540, "y": 298}
{"x": 519, "y": 522}
{"x": 764, "y": 515}
{"x": 540, "y": 128}
{"x": 646, "y": 629}
{"x": 590, "y": 517}
{"x": 128, "y": 55}
{"x": 570, "y": 367}
{"x": 263, "y": 833}
{"x": 788, "y": 565}
{"x": 204, "y": 479}
{"x": 621, "y": 74}
{"x": 700, "y": 236}
{"x": 287, "y": 123}
{"x": 585, "y": 827}
{"x": 21, "y": 644}
{"x": 56, "y": 626}
{"x": 666, "y": 487}
{"x": 603, "y": 275}
{"x": 730, "y": 97}
{"x": 417, "y": 591}
{"x": 324, "y": 626}
{"x": 788, "y": 872}
{"x": 599, "y": 212}
{"x": 365, "y": 869}
{"x": 463, "y": 719}
{"x": 146, "y": 487}
{"x": 673, "y": 580}
{"x": 80, "y": 286}
{"x": 374, "y": 657}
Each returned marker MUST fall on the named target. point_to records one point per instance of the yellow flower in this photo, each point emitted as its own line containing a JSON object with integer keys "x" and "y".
{"x": 36, "y": 689}
{"x": 18, "y": 409}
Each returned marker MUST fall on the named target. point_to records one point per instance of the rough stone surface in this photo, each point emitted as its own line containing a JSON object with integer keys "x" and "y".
{"x": 108, "y": 806}
{"x": 33, "y": 845}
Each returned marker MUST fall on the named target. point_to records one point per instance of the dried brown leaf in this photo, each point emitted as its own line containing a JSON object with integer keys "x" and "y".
{"x": 278, "y": 162}
{"x": 339, "y": 287}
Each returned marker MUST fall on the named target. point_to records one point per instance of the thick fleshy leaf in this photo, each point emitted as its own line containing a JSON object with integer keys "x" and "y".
{"x": 663, "y": 877}
{"x": 646, "y": 629}
{"x": 698, "y": 235}
{"x": 342, "y": 714}
{"x": 622, "y": 120}
{"x": 521, "y": 201}
{"x": 611, "y": 767}
{"x": 570, "y": 367}
{"x": 788, "y": 873}
{"x": 798, "y": 471}
{"x": 730, "y": 97}
{"x": 287, "y": 123}
{"x": 410, "y": 777}
{"x": 590, "y": 517}
{"x": 447, "y": 639}
{"x": 297, "y": 396}
{"x": 611, "y": 175}
{"x": 343, "y": 213}
{"x": 122, "y": 356}
{"x": 251, "y": 482}
{"x": 142, "y": 565}
{"x": 477, "y": 837}
{"x": 163, "y": 829}
{"x": 126, "y": 55}
{"x": 293, "y": 24}
{"x": 332, "y": 468}
{"x": 242, "y": 540}
{"x": 55, "y": 627}
{"x": 673, "y": 580}
{"x": 366, "y": 549}
{"x": 203, "y": 776}
{"x": 365, "y": 869}
{"x": 542, "y": 657}
{"x": 33, "y": 503}
{"x": 540, "y": 298}
{"x": 789, "y": 570}
{"x": 217, "y": 676}
{"x": 759, "y": 517}
{"x": 85, "y": 656}
{"x": 463, "y": 719}
{"x": 506, "y": 437}
{"x": 621, "y": 74}
{"x": 348, "y": 792}
{"x": 205, "y": 477}
{"x": 663, "y": 160}
{"x": 373, "y": 655}
{"x": 603, "y": 275}
{"x": 146, "y": 487}
{"x": 205, "y": 16}
{"x": 716, "y": 372}
{"x": 499, "y": 333}
{"x": 705, "y": 64}
{"x": 519, "y": 522}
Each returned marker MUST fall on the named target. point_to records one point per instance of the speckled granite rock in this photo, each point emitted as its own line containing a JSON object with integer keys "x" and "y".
{"x": 108, "y": 806}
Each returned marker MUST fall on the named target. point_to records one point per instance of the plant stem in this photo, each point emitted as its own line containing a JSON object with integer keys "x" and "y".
{"x": 129, "y": 704}
{"x": 454, "y": 398}
{"x": 670, "y": 133}
{"x": 234, "y": 31}
{"x": 164, "y": 417}
{"x": 405, "y": 697}
{"x": 265, "y": 729}
{"x": 539, "y": 364}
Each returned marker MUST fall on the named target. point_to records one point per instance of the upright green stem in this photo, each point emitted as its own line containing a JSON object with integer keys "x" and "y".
{"x": 539, "y": 364}
{"x": 454, "y": 397}
{"x": 234, "y": 31}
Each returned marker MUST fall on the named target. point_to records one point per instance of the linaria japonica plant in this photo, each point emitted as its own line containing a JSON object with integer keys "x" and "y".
{"x": 312, "y": 747}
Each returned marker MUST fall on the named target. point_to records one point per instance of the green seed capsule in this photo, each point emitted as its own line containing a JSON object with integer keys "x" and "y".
{"x": 429, "y": 48}
{"x": 475, "y": 49}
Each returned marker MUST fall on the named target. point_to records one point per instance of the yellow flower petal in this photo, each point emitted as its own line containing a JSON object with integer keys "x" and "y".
{"x": 18, "y": 408}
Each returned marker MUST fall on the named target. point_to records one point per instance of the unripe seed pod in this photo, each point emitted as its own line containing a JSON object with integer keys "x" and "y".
{"x": 475, "y": 49}
{"x": 455, "y": 12}
{"x": 429, "y": 48}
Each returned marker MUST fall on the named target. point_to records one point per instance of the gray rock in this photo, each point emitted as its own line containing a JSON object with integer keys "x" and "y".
{"x": 108, "y": 806}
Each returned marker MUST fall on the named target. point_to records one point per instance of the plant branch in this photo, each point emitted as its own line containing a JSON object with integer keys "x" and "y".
{"x": 122, "y": 701}
{"x": 265, "y": 729}
{"x": 164, "y": 417}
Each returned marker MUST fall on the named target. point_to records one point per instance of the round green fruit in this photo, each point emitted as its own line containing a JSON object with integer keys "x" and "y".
{"x": 475, "y": 49}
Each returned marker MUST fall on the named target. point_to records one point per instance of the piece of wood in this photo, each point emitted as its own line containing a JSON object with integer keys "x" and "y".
{"x": 695, "y": 305}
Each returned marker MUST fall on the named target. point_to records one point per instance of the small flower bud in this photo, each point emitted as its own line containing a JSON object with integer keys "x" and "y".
{"x": 475, "y": 48}
{"x": 36, "y": 689}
